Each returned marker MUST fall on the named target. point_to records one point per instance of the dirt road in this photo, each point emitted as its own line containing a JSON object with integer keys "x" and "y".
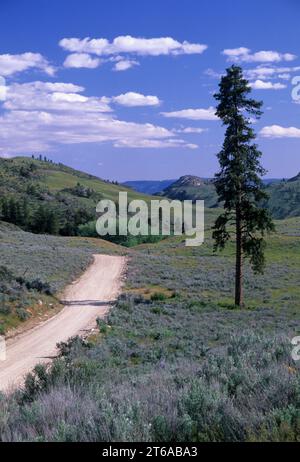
{"x": 86, "y": 299}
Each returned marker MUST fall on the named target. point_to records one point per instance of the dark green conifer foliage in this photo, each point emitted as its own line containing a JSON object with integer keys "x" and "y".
{"x": 238, "y": 183}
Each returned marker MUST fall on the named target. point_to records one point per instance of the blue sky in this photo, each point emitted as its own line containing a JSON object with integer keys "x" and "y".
{"x": 139, "y": 104}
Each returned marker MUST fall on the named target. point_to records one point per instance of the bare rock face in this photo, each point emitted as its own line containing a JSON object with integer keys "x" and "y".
{"x": 189, "y": 180}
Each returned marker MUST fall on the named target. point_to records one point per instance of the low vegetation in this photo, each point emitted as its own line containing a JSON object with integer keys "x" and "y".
{"x": 175, "y": 360}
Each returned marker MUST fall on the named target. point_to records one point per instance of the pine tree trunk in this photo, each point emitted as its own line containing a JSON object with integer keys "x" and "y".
{"x": 239, "y": 263}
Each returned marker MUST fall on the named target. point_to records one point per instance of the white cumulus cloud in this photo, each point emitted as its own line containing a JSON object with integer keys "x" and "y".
{"x": 144, "y": 143}
{"x": 128, "y": 44}
{"x": 11, "y": 64}
{"x": 52, "y": 97}
{"x": 54, "y": 86}
{"x": 193, "y": 114}
{"x": 263, "y": 85}
{"x": 277, "y": 131}
{"x": 68, "y": 97}
{"x": 270, "y": 72}
{"x": 132, "y": 99}
{"x": 243, "y": 54}
{"x": 39, "y": 116}
{"x": 81, "y": 60}
{"x": 125, "y": 64}
{"x": 3, "y": 89}
{"x": 191, "y": 130}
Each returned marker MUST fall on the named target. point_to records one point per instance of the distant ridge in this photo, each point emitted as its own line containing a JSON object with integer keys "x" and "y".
{"x": 157, "y": 186}
{"x": 295, "y": 178}
{"x": 189, "y": 180}
{"x": 284, "y": 195}
{"x": 191, "y": 187}
{"x": 148, "y": 186}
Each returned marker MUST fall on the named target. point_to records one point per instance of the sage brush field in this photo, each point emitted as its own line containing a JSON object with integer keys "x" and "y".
{"x": 174, "y": 360}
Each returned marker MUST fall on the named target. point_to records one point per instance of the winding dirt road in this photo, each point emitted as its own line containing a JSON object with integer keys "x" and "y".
{"x": 86, "y": 299}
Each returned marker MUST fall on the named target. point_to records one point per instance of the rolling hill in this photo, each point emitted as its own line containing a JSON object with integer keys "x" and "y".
{"x": 284, "y": 195}
{"x": 19, "y": 172}
{"x": 284, "y": 198}
{"x": 192, "y": 188}
{"x": 34, "y": 191}
{"x": 157, "y": 186}
{"x": 43, "y": 197}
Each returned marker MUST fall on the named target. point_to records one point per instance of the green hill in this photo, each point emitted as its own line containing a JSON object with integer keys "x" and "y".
{"x": 284, "y": 196}
{"x": 284, "y": 199}
{"x": 192, "y": 188}
{"x": 33, "y": 192}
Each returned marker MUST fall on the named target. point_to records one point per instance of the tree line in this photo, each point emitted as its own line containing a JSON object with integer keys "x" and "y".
{"x": 42, "y": 220}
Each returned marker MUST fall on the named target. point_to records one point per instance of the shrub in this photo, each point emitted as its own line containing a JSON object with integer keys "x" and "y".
{"x": 22, "y": 314}
{"x": 5, "y": 308}
{"x": 102, "y": 326}
{"x": 38, "y": 285}
{"x": 158, "y": 296}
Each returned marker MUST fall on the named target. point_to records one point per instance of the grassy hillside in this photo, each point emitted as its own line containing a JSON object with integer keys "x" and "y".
{"x": 41, "y": 190}
{"x": 192, "y": 188}
{"x": 284, "y": 196}
{"x": 174, "y": 360}
{"x": 35, "y": 268}
{"x": 16, "y": 174}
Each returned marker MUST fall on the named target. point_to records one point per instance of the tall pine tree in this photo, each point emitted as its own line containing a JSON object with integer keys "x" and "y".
{"x": 238, "y": 184}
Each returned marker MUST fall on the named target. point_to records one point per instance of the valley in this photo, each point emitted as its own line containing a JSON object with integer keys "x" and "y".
{"x": 171, "y": 347}
{"x": 149, "y": 228}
